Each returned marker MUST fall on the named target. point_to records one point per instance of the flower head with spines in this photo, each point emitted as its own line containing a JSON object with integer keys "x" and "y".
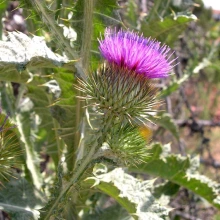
{"x": 122, "y": 86}
{"x": 121, "y": 93}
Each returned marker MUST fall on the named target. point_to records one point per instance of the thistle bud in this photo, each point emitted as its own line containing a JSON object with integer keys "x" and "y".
{"x": 121, "y": 93}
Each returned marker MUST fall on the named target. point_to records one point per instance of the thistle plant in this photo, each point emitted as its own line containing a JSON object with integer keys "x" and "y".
{"x": 121, "y": 96}
{"x": 121, "y": 91}
{"x": 122, "y": 86}
{"x": 78, "y": 147}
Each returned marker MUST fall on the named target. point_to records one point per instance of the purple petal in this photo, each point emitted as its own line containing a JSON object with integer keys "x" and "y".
{"x": 142, "y": 55}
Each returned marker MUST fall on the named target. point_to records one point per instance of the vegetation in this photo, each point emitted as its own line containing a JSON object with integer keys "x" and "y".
{"x": 73, "y": 137}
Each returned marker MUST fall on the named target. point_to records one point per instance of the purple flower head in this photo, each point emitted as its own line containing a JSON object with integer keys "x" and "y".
{"x": 142, "y": 55}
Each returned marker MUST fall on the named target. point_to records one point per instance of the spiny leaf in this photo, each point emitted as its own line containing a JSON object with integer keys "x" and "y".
{"x": 134, "y": 195}
{"x": 53, "y": 101}
{"x": 114, "y": 212}
{"x": 23, "y": 121}
{"x": 162, "y": 29}
{"x": 180, "y": 170}
{"x": 165, "y": 121}
{"x": 168, "y": 188}
{"x": 48, "y": 126}
{"x": 57, "y": 187}
{"x": 48, "y": 18}
{"x": 21, "y": 52}
{"x": 21, "y": 200}
{"x": 176, "y": 83}
{"x": 65, "y": 105}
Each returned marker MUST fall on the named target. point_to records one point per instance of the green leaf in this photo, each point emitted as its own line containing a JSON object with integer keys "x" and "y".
{"x": 21, "y": 200}
{"x": 23, "y": 122}
{"x": 39, "y": 93}
{"x": 23, "y": 118}
{"x": 174, "y": 85}
{"x": 168, "y": 29}
{"x": 131, "y": 13}
{"x": 166, "y": 121}
{"x": 54, "y": 103}
{"x": 64, "y": 107}
{"x": 134, "y": 195}
{"x": 168, "y": 188}
{"x": 180, "y": 170}
{"x": 21, "y": 52}
{"x": 64, "y": 111}
{"x": 159, "y": 10}
{"x": 57, "y": 187}
{"x": 114, "y": 212}
{"x": 48, "y": 18}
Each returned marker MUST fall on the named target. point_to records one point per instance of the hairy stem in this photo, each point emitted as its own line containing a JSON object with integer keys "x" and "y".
{"x": 100, "y": 137}
{"x": 79, "y": 171}
{"x": 85, "y": 54}
{"x": 87, "y": 33}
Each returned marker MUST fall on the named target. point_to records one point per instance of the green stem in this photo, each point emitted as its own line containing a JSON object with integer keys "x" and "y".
{"x": 100, "y": 137}
{"x": 87, "y": 33}
{"x": 79, "y": 171}
{"x": 85, "y": 54}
